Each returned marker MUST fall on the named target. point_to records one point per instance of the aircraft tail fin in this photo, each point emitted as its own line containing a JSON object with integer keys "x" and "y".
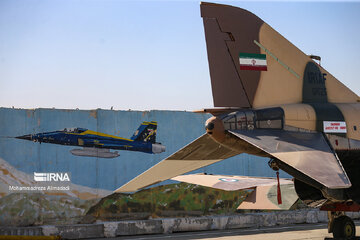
{"x": 146, "y": 132}
{"x": 252, "y": 65}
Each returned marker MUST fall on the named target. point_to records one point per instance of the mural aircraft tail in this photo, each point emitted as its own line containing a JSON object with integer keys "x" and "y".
{"x": 146, "y": 132}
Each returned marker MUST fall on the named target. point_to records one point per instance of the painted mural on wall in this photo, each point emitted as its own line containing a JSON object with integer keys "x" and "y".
{"x": 49, "y": 184}
{"x": 172, "y": 200}
{"x": 25, "y": 201}
{"x": 96, "y": 144}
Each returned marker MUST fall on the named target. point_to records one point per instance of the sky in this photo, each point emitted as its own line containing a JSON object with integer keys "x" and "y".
{"x": 145, "y": 55}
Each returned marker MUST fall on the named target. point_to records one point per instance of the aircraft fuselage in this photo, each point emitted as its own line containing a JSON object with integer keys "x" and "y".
{"x": 335, "y": 124}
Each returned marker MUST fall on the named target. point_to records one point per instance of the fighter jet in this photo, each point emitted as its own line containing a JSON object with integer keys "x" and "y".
{"x": 96, "y": 144}
{"x": 273, "y": 100}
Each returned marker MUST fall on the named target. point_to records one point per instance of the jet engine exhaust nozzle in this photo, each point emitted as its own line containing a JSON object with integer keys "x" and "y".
{"x": 158, "y": 148}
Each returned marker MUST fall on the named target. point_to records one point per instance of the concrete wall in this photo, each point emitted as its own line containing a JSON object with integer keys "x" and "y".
{"x": 175, "y": 129}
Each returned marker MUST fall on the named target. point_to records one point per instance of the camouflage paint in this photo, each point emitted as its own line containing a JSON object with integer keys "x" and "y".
{"x": 315, "y": 94}
{"x": 180, "y": 199}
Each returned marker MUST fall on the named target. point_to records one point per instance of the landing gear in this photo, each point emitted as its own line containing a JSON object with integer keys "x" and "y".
{"x": 341, "y": 225}
{"x": 344, "y": 227}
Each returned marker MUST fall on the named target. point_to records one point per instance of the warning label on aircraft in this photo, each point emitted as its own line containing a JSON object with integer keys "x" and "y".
{"x": 334, "y": 127}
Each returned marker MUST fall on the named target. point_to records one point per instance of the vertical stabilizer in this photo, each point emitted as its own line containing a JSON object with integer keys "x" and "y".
{"x": 252, "y": 65}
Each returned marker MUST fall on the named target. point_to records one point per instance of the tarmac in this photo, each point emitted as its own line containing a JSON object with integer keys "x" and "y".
{"x": 172, "y": 225}
{"x": 317, "y": 231}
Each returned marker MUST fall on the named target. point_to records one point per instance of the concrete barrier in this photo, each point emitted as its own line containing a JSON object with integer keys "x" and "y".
{"x": 139, "y": 227}
{"x": 170, "y": 225}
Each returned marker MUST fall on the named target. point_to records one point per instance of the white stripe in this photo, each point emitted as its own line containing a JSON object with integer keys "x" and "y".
{"x": 250, "y": 61}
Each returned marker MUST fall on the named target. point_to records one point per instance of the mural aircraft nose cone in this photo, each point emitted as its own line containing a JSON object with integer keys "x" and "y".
{"x": 25, "y": 137}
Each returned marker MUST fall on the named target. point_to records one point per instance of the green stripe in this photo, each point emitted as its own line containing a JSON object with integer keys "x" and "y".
{"x": 278, "y": 60}
{"x": 252, "y": 55}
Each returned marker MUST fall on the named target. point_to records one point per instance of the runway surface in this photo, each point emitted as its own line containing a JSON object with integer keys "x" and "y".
{"x": 316, "y": 231}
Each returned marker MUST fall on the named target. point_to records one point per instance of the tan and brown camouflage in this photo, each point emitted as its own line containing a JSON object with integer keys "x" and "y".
{"x": 271, "y": 100}
{"x": 264, "y": 196}
{"x": 233, "y": 30}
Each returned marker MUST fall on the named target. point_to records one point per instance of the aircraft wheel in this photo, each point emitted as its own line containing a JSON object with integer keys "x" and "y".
{"x": 344, "y": 228}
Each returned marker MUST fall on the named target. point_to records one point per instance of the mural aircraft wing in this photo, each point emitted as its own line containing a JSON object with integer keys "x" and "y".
{"x": 263, "y": 197}
{"x": 199, "y": 153}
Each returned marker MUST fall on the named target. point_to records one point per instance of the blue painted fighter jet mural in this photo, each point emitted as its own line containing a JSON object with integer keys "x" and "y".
{"x": 96, "y": 144}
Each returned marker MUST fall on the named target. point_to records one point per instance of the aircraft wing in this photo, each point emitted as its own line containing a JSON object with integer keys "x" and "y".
{"x": 263, "y": 197}
{"x": 229, "y": 183}
{"x": 199, "y": 153}
{"x": 308, "y": 153}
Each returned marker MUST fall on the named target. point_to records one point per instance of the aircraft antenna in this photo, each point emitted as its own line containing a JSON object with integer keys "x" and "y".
{"x": 315, "y": 57}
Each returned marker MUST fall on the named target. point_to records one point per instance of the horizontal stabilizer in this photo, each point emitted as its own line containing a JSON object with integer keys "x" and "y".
{"x": 200, "y": 153}
{"x": 308, "y": 153}
{"x": 264, "y": 196}
{"x": 218, "y": 111}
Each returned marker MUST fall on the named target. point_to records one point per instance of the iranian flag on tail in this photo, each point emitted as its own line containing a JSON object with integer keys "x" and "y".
{"x": 252, "y": 61}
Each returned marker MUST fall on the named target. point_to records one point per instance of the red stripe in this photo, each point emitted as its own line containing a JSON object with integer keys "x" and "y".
{"x": 258, "y": 68}
{"x": 278, "y": 189}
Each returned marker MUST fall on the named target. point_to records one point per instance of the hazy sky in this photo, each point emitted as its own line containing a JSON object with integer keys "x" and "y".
{"x": 145, "y": 55}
